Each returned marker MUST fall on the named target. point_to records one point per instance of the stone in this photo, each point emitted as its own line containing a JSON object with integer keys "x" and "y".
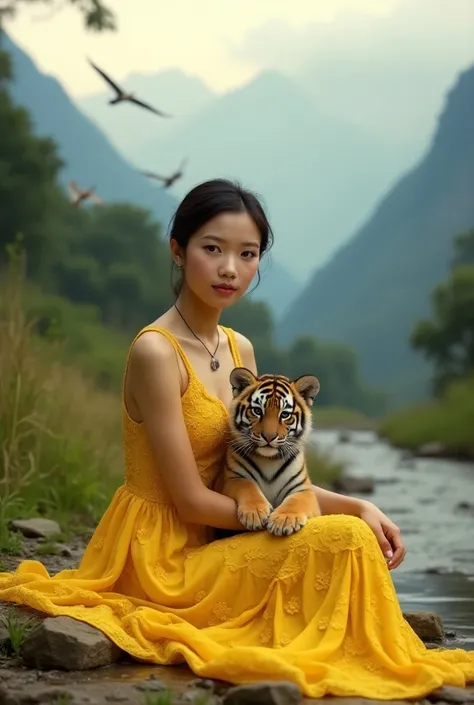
{"x": 152, "y": 685}
{"x": 64, "y": 550}
{"x": 431, "y": 450}
{"x": 265, "y": 693}
{"x": 451, "y": 694}
{"x": 465, "y": 506}
{"x": 67, "y": 644}
{"x": 355, "y": 485}
{"x": 427, "y": 625}
{"x": 36, "y": 528}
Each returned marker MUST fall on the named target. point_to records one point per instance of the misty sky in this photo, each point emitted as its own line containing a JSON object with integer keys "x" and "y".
{"x": 226, "y": 42}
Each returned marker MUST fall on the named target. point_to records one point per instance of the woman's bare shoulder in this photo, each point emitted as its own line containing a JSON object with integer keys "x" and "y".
{"x": 246, "y": 351}
{"x": 151, "y": 347}
{"x": 243, "y": 342}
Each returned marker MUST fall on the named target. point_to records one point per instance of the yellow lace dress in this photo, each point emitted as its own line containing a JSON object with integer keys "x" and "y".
{"x": 317, "y": 608}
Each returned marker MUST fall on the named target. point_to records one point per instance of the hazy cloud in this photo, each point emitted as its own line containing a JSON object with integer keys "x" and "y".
{"x": 192, "y": 36}
{"x": 387, "y": 71}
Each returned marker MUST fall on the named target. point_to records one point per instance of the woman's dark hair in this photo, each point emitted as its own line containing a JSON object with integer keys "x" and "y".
{"x": 209, "y": 199}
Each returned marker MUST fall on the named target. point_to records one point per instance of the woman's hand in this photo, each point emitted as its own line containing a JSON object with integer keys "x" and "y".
{"x": 387, "y": 533}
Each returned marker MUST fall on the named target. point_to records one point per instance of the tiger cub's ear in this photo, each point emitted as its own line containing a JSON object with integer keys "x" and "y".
{"x": 240, "y": 379}
{"x": 308, "y": 387}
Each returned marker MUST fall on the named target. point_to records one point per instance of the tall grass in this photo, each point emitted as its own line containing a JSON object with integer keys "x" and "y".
{"x": 450, "y": 421}
{"x": 60, "y": 437}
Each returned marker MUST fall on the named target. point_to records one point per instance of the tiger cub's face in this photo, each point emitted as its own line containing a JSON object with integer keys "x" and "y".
{"x": 270, "y": 415}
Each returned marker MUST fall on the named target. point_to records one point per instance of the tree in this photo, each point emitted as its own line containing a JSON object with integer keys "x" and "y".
{"x": 96, "y": 16}
{"x": 28, "y": 169}
{"x": 448, "y": 338}
{"x": 251, "y": 318}
{"x": 464, "y": 248}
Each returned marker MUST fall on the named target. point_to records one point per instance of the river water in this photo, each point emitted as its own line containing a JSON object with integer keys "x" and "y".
{"x": 421, "y": 496}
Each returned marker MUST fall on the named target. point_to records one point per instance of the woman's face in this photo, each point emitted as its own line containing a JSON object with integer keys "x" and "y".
{"x": 221, "y": 258}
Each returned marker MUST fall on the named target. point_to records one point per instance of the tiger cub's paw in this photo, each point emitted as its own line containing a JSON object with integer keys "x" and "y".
{"x": 254, "y": 517}
{"x": 284, "y": 524}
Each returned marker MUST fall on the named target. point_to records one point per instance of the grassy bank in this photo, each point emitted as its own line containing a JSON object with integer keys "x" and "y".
{"x": 322, "y": 468}
{"x": 60, "y": 435}
{"x": 449, "y": 422}
{"x": 60, "y": 431}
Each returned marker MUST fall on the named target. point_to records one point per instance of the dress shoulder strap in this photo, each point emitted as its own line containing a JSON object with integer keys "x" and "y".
{"x": 234, "y": 348}
{"x": 171, "y": 338}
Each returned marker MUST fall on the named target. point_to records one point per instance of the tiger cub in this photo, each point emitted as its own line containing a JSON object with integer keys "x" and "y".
{"x": 269, "y": 423}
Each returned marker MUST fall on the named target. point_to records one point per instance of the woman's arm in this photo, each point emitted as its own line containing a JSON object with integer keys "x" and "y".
{"x": 334, "y": 503}
{"x": 155, "y": 385}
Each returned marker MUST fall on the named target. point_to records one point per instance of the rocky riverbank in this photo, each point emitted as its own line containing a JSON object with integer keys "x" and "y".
{"x": 65, "y": 662}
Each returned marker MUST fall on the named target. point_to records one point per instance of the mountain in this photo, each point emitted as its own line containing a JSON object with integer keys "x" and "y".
{"x": 127, "y": 126}
{"x": 90, "y": 159}
{"x": 318, "y": 175}
{"x": 377, "y": 286}
{"x": 277, "y": 287}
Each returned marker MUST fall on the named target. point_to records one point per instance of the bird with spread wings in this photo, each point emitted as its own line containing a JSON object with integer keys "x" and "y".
{"x": 122, "y": 96}
{"x": 167, "y": 180}
{"x": 79, "y": 195}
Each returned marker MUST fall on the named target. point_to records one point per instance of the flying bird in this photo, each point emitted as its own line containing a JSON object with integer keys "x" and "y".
{"x": 79, "y": 195}
{"x": 167, "y": 180}
{"x": 122, "y": 96}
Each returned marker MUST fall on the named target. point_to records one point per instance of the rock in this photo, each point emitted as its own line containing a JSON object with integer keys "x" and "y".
{"x": 116, "y": 696}
{"x": 451, "y": 694}
{"x": 355, "y": 485}
{"x": 265, "y": 693}
{"x": 204, "y": 683}
{"x": 427, "y": 625}
{"x": 465, "y": 506}
{"x": 431, "y": 450}
{"x": 151, "y": 685}
{"x": 64, "y": 550}
{"x": 36, "y": 528}
{"x": 66, "y": 643}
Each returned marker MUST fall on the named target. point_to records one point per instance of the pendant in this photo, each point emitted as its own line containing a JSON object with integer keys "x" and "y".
{"x": 215, "y": 364}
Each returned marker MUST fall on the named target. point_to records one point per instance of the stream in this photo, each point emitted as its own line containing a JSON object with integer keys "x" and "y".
{"x": 421, "y": 495}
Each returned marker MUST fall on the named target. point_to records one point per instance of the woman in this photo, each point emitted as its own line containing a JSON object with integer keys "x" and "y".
{"x": 317, "y": 608}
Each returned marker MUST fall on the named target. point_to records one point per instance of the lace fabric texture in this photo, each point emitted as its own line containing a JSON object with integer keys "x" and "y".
{"x": 317, "y": 608}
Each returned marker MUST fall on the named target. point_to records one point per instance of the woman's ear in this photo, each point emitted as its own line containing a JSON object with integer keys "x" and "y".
{"x": 176, "y": 253}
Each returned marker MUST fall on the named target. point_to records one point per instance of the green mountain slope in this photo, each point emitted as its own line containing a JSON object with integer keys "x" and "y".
{"x": 378, "y": 285}
{"x": 90, "y": 159}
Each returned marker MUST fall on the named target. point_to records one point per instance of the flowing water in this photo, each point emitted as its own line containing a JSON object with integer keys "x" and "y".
{"x": 422, "y": 496}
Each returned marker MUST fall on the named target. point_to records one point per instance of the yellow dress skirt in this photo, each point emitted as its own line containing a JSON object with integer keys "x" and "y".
{"x": 317, "y": 608}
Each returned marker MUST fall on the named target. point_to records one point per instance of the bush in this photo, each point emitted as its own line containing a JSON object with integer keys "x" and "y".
{"x": 449, "y": 422}
{"x": 60, "y": 437}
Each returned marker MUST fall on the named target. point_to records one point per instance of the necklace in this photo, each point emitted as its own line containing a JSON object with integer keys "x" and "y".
{"x": 215, "y": 364}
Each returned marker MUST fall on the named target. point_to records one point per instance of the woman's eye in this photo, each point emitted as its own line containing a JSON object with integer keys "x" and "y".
{"x": 211, "y": 248}
{"x": 248, "y": 254}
